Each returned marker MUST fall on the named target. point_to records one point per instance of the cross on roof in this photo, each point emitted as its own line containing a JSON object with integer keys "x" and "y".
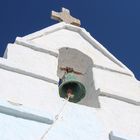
{"x": 65, "y": 16}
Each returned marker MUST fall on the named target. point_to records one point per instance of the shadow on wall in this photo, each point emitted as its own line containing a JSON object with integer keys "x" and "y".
{"x": 81, "y": 63}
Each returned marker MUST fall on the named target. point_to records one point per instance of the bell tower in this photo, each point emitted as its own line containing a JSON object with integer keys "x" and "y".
{"x": 59, "y": 80}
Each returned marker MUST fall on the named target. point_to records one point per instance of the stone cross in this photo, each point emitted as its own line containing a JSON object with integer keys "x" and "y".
{"x": 65, "y": 16}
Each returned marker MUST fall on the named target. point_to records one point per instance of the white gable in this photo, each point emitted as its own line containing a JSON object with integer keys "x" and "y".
{"x": 64, "y": 35}
{"x": 30, "y": 75}
{"x": 39, "y": 55}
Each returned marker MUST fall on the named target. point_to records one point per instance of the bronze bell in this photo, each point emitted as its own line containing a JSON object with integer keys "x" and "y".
{"x": 72, "y": 85}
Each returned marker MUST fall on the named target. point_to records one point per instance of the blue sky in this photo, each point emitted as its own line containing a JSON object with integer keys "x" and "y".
{"x": 114, "y": 23}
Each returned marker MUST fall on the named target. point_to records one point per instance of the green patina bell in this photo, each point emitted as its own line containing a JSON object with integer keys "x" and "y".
{"x": 69, "y": 82}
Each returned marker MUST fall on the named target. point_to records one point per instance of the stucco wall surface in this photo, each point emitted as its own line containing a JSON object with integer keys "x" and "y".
{"x": 117, "y": 84}
{"x": 39, "y": 63}
{"x": 66, "y": 38}
{"x": 28, "y": 78}
{"x": 29, "y": 91}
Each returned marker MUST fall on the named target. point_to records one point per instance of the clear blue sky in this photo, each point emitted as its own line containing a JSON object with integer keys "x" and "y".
{"x": 114, "y": 23}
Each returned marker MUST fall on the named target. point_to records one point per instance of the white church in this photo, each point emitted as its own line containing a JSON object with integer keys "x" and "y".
{"x": 59, "y": 83}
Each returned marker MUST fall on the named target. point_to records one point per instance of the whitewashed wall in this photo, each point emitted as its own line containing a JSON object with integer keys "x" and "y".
{"x": 29, "y": 91}
{"x": 66, "y": 38}
{"x": 32, "y": 61}
{"x": 29, "y": 76}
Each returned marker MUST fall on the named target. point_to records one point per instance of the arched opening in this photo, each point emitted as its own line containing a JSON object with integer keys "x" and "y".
{"x": 77, "y": 64}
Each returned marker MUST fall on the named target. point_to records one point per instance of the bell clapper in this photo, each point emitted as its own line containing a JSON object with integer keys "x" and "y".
{"x": 69, "y": 94}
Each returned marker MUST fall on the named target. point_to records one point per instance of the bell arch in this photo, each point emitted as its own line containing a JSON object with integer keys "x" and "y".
{"x": 80, "y": 65}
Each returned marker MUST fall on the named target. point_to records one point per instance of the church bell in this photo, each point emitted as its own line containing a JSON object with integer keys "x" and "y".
{"x": 70, "y": 83}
